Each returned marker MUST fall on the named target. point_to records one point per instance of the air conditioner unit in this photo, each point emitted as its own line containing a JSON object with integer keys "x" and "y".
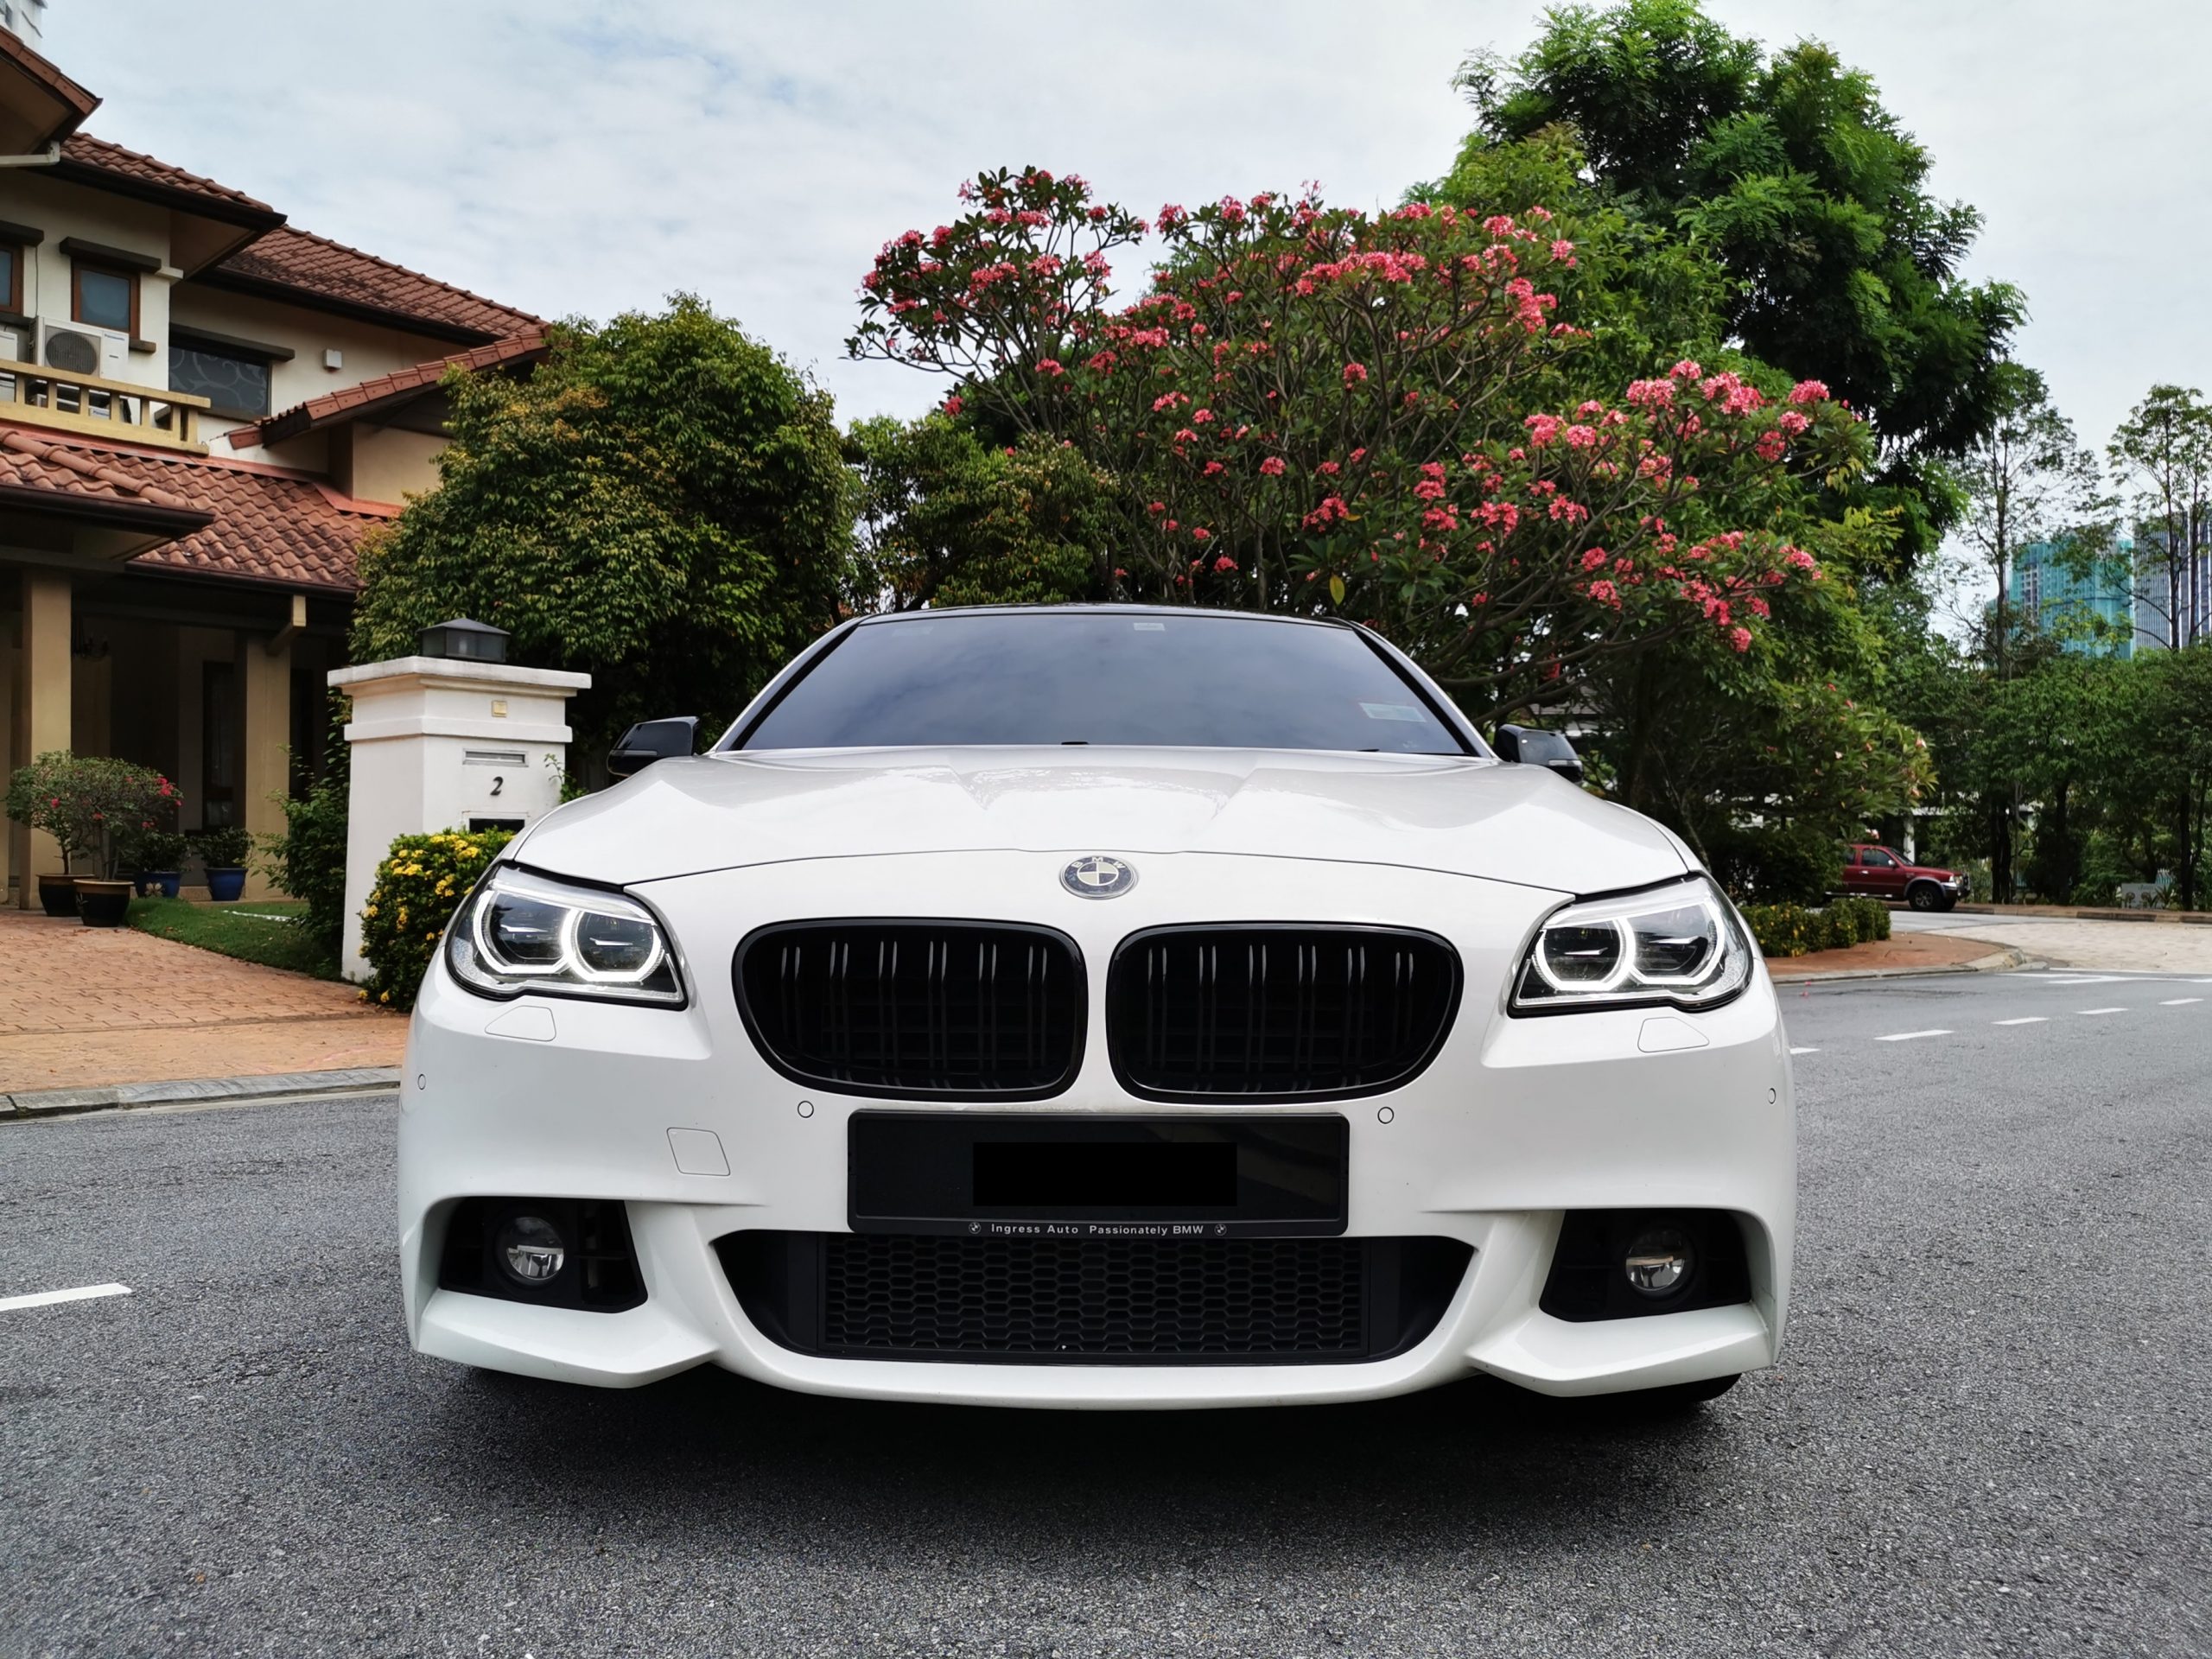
{"x": 11, "y": 345}
{"x": 81, "y": 349}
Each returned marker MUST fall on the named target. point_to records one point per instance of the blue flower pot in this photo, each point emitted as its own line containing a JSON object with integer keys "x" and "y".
{"x": 224, "y": 885}
{"x": 166, "y": 882}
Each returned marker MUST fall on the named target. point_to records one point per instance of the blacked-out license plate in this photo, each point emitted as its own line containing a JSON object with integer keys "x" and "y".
{"x": 1020, "y": 1175}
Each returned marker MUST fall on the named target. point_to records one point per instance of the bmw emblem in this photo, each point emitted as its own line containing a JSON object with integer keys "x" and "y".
{"x": 1099, "y": 877}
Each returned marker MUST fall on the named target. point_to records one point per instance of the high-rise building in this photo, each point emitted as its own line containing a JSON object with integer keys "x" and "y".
{"x": 2172, "y": 603}
{"x": 2090, "y": 604}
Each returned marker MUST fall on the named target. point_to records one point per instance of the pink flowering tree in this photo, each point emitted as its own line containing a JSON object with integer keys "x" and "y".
{"x": 1314, "y": 410}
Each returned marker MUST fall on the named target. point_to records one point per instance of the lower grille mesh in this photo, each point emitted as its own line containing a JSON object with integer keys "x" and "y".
{"x": 1102, "y": 1301}
{"x": 1094, "y": 1296}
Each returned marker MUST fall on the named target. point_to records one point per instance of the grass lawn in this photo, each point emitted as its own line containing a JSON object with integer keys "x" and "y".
{"x": 251, "y": 931}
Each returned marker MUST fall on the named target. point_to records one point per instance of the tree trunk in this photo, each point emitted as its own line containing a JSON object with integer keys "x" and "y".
{"x": 2000, "y": 847}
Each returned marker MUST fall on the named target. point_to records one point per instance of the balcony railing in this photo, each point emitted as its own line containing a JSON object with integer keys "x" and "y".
{"x": 108, "y": 409}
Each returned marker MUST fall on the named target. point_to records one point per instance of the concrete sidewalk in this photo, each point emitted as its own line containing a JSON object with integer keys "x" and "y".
{"x": 2086, "y": 913}
{"x": 1901, "y": 953}
{"x": 2066, "y": 941}
{"x": 87, "y": 1007}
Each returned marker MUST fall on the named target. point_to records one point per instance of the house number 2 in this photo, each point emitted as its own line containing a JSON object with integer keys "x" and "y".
{"x": 498, "y": 783}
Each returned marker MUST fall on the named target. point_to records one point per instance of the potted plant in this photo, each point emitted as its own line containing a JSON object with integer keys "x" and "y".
{"x": 224, "y": 851}
{"x": 160, "y": 863}
{"x": 91, "y": 805}
{"x": 42, "y": 795}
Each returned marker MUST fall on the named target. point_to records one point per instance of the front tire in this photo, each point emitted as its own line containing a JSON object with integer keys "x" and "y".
{"x": 1924, "y": 895}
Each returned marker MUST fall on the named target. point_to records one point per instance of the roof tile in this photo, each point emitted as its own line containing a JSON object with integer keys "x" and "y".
{"x": 317, "y": 268}
{"x": 323, "y": 410}
{"x": 269, "y": 524}
{"x": 82, "y": 149}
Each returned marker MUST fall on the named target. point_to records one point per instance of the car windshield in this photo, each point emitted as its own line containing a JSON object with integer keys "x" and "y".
{"x": 1174, "y": 679}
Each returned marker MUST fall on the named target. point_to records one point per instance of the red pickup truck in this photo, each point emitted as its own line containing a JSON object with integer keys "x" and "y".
{"x": 1879, "y": 872}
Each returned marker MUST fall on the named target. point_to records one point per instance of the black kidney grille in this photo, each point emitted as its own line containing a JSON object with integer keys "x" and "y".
{"x": 1277, "y": 1011}
{"x": 915, "y": 1008}
{"x": 1105, "y": 1297}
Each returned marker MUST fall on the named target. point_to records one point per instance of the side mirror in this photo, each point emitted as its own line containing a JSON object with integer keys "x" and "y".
{"x": 1530, "y": 746}
{"x": 650, "y": 740}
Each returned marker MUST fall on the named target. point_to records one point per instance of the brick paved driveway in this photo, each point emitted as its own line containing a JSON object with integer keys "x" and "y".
{"x": 83, "y": 1005}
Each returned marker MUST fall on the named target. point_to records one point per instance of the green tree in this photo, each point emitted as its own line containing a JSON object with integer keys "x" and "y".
{"x": 946, "y": 520}
{"x": 1788, "y": 169}
{"x": 2165, "y": 449}
{"x": 2028, "y": 480}
{"x": 1642, "y": 294}
{"x": 1312, "y": 411}
{"x": 1767, "y": 760}
{"x": 662, "y": 504}
{"x": 2050, "y": 739}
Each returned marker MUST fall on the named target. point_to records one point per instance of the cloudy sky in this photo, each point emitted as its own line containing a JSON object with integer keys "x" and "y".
{"x": 577, "y": 158}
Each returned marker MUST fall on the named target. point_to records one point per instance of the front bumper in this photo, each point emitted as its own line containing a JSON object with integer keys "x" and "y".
{"x": 1515, "y": 1122}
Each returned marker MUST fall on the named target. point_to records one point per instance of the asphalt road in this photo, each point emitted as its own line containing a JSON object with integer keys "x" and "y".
{"x": 1991, "y": 1433}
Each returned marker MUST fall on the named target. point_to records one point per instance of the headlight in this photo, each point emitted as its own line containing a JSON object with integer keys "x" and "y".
{"x": 1679, "y": 944}
{"x": 520, "y": 933}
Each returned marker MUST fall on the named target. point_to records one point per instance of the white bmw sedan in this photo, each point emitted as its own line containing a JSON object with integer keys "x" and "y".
{"x": 1099, "y": 1007}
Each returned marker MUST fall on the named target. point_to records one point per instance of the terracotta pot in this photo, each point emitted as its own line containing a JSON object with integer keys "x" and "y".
{"x": 102, "y": 904}
{"x": 57, "y": 894}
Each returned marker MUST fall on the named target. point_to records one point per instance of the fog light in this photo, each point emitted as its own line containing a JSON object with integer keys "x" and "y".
{"x": 1658, "y": 1263}
{"x": 529, "y": 1250}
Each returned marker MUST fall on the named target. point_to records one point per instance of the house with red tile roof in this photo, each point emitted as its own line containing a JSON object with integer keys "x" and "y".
{"x": 204, "y": 411}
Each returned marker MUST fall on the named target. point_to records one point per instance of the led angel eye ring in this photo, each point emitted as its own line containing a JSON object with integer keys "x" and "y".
{"x": 498, "y": 963}
{"x": 1622, "y": 969}
{"x": 592, "y": 976}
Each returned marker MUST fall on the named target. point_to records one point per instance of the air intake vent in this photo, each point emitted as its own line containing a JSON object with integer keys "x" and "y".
{"x": 916, "y": 1010}
{"x": 1277, "y": 1012}
{"x": 1109, "y": 1301}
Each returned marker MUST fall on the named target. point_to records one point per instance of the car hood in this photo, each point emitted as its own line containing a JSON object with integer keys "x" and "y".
{"x": 1467, "y": 816}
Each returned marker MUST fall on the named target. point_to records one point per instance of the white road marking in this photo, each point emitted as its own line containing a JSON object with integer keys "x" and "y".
{"x": 2101, "y": 1010}
{"x": 2026, "y": 1020}
{"x": 2179, "y": 1002}
{"x": 1907, "y": 1036}
{"x": 1804, "y": 1051}
{"x": 43, "y": 1298}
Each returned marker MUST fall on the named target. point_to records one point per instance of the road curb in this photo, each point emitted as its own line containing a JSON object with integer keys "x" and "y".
{"x": 285, "y": 1085}
{"x": 1997, "y": 962}
{"x": 2085, "y": 913}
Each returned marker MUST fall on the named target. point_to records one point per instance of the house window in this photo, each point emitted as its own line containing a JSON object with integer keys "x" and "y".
{"x": 11, "y": 278}
{"x": 233, "y": 382}
{"x": 104, "y": 296}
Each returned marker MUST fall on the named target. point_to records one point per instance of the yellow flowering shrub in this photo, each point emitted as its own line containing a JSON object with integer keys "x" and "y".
{"x": 418, "y": 884}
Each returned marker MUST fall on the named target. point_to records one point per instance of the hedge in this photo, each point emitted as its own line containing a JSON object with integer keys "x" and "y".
{"x": 417, "y": 888}
{"x": 1795, "y": 931}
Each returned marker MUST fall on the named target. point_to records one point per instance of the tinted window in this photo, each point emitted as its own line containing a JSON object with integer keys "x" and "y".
{"x": 232, "y": 383}
{"x": 1182, "y": 679}
{"x": 104, "y": 298}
